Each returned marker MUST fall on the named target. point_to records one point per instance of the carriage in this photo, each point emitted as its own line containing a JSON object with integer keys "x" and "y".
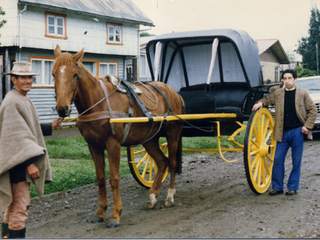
{"x": 204, "y": 84}
{"x": 218, "y": 74}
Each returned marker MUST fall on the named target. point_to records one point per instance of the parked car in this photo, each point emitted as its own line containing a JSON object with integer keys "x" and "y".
{"x": 312, "y": 85}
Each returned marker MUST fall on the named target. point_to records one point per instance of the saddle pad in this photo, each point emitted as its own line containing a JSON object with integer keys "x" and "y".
{"x": 116, "y": 83}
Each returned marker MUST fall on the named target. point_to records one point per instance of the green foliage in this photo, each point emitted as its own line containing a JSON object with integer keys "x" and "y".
{"x": 78, "y": 168}
{"x": 307, "y": 45}
{"x": 304, "y": 72}
{"x": 145, "y": 34}
{"x": 2, "y": 22}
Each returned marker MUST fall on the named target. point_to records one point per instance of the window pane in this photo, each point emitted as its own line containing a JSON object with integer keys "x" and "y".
{"x": 51, "y": 29}
{"x": 111, "y": 38}
{"x": 118, "y": 38}
{"x": 60, "y": 21}
{"x": 88, "y": 65}
{"x": 103, "y": 70}
{"x": 60, "y": 31}
{"x": 111, "y": 29}
{"x": 118, "y": 30}
{"x": 113, "y": 69}
{"x": 50, "y": 20}
{"x": 36, "y": 67}
{"x": 48, "y": 76}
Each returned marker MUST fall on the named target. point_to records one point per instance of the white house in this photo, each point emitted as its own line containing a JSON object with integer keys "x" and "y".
{"x": 108, "y": 30}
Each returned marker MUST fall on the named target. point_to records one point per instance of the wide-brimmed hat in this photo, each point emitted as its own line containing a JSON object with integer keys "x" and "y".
{"x": 22, "y": 69}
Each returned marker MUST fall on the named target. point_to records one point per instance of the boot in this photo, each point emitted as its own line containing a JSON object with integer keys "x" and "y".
{"x": 4, "y": 230}
{"x": 17, "y": 233}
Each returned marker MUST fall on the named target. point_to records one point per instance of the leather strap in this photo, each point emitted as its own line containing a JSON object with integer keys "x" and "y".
{"x": 100, "y": 115}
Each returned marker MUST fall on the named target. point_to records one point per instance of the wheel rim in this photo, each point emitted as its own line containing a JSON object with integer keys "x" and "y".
{"x": 259, "y": 150}
{"x": 143, "y": 167}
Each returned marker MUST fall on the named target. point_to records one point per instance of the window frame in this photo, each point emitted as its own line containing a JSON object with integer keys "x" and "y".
{"x": 109, "y": 63}
{"x": 108, "y": 34}
{"x": 42, "y": 59}
{"x": 55, "y": 35}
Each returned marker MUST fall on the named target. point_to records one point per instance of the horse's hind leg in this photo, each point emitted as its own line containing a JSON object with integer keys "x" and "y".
{"x": 152, "y": 147}
{"x": 98, "y": 159}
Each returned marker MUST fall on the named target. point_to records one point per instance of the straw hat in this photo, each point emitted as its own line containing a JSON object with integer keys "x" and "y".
{"x": 22, "y": 69}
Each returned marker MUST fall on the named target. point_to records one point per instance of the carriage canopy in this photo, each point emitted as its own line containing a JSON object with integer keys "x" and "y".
{"x": 183, "y": 59}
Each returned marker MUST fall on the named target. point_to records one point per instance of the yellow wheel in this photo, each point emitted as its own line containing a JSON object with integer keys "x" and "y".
{"x": 143, "y": 167}
{"x": 259, "y": 150}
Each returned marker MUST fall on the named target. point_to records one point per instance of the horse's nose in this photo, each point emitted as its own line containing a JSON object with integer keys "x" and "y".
{"x": 63, "y": 112}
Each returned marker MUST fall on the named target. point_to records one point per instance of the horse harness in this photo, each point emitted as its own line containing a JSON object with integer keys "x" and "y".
{"x": 116, "y": 114}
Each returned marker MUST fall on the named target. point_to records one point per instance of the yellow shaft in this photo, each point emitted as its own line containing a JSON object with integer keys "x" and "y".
{"x": 173, "y": 118}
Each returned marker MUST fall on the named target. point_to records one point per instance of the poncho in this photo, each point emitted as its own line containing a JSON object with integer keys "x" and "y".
{"x": 21, "y": 138}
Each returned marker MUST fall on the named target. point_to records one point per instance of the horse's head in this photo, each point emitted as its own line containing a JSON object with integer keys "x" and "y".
{"x": 66, "y": 73}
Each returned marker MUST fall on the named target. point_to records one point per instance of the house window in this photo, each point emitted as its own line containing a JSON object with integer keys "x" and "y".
{"x": 276, "y": 74}
{"x": 43, "y": 67}
{"x": 108, "y": 68}
{"x": 91, "y": 66}
{"x": 56, "y": 25}
{"x": 114, "y": 34}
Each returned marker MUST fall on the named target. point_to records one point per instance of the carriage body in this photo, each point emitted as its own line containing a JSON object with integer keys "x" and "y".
{"x": 235, "y": 83}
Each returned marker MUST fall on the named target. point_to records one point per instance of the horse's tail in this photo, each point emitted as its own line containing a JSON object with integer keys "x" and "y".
{"x": 179, "y": 157}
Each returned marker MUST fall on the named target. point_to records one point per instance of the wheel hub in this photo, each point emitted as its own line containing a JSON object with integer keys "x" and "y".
{"x": 264, "y": 149}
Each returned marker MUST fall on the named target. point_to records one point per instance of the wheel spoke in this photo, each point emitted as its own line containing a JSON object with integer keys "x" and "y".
{"x": 146, "y": 167}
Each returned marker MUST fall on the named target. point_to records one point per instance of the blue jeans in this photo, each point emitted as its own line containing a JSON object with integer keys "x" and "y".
{"x": 294, "y": 139}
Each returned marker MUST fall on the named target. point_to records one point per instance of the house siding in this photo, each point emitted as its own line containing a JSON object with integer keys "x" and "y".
{"x": 269, "y": 62}
{"x": 95, "y": 40}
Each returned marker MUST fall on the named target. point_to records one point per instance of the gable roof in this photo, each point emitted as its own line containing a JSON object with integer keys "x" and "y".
{"x": 109, "y": 9}
{"x": 276, "y": 48}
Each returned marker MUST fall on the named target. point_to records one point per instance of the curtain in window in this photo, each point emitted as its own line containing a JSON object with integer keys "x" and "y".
{"x": 48, "y": 65}
{"x": 36, "y": 68}
{"x": 103, "y": 70}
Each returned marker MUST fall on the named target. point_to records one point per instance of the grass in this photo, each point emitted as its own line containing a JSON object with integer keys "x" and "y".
{"x": 79, "y": 170}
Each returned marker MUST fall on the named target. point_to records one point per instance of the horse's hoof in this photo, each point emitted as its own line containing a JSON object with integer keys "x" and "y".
{"x": 112, "y": 224}
{"x": 151, "y": 205}
{"x": 168, "y": 204}
{"x": 97, "y": 219}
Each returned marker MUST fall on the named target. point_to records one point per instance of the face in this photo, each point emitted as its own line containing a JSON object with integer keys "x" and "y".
{"x": 289, "y": 81}
{"x": 22, "y": 83}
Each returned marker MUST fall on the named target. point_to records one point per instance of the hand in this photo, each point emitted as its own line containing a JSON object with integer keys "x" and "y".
{"x": 304, "y": 130}
{"x": 56, "y": 123}
{"x": 33, "y": 171}
{"x": 257, "y": 106}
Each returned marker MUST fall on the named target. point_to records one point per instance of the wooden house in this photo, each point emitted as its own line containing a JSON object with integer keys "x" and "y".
{"x": 108, "y": 30}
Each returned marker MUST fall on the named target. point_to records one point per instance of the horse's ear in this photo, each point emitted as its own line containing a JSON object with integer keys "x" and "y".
{"x": 57, "y": 51}
{"x": 78, "y": 55}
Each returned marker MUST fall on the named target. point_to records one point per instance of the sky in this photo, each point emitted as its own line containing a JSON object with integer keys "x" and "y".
{"x": 285, "y": 20}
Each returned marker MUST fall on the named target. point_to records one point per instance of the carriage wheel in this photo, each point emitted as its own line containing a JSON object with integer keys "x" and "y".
{"x": 259, "y": 150}
{"x": 143, "y": 167}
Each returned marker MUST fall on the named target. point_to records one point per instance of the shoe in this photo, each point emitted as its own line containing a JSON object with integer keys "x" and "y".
{"x": 291, "y": 192}
{"x": 17, "y": 233}
{"x": 275, "y": 192}
{"x": 4, "y": 230}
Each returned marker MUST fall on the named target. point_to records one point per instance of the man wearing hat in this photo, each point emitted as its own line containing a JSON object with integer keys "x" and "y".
{"x": 23, "y": 154}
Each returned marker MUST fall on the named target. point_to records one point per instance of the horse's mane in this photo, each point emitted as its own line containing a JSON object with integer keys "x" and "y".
{"x": 67, "y": 60}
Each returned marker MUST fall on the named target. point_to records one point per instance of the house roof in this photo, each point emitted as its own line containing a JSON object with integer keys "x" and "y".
{"x": 275, "y": 46}
{"x": 111, "y": 9}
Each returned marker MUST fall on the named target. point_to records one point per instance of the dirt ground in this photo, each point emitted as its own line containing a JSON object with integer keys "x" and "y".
{"x": 213, "y": 200}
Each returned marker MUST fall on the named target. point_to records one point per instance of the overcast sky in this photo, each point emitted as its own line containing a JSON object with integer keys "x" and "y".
{"x": 285, "y": 20}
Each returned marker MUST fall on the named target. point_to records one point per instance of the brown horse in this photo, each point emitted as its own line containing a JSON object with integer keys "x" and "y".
{"x": 73, "y": 82}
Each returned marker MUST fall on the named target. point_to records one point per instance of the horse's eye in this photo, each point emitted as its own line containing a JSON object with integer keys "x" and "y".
{"x": 75, "y": 75}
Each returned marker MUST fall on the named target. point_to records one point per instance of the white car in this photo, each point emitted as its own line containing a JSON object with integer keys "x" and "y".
{"x": 312, "y": 85}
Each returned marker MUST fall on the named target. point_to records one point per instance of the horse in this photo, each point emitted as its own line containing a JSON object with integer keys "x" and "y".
{"x": 97, "y": 101}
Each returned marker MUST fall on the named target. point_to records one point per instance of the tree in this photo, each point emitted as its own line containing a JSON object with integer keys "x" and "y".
{"x": 2, "y": 22}
{"x": 145, "y": 34}
{"x": 307, "y": 45}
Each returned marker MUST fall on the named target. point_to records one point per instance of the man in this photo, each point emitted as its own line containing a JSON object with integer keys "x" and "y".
{"x": 23, "y": 155}
{"x": 295, "y": 116}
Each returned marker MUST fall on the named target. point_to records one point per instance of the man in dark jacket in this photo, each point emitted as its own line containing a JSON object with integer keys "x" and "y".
{"x": 295, "y": 116}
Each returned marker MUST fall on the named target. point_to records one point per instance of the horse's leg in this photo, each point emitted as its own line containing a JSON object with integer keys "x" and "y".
{"x": 174, "y": 145}
{"x": 98, "y": 159}
{"x": 152, "y": 147}
{"x": 113, "y": 148}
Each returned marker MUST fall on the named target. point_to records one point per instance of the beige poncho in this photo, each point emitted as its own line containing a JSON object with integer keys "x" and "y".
{"x": 20, "y": 139}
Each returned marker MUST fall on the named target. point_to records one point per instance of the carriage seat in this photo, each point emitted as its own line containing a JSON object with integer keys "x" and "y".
{"x": 218, "y": 98}
{"x": 117, "y": 84}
